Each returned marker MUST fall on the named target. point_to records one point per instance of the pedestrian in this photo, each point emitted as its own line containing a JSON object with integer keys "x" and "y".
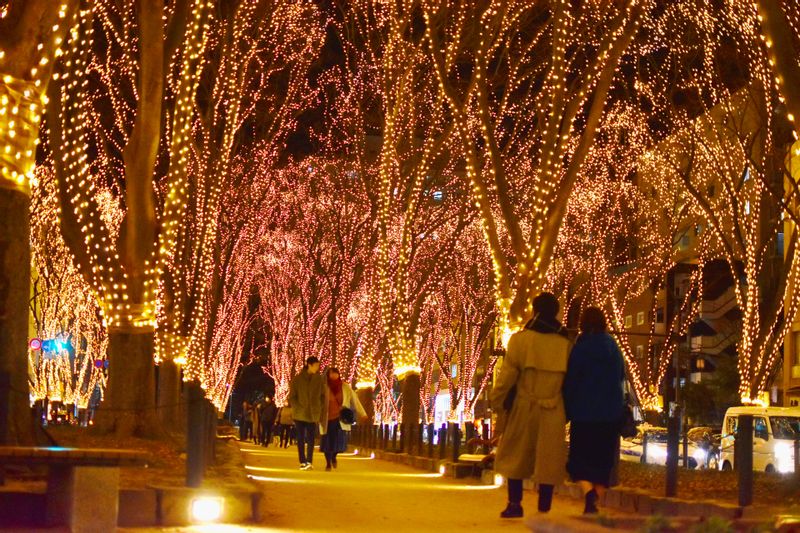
{"x": 257, "y": 407}
{"x": 267, "y": 420}
{"x": 244, "y": 425}
{"x": 340, "y": 411}
{"x": 529, "y": 389}
{"x": 287, "y": 424}
{"x": 594, "y": 400}
{"x": 249, "y": 419}
{"x": 307, "y": 396}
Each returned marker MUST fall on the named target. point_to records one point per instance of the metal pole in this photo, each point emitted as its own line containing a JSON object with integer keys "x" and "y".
{"x": 673, "y": 437}
{"x": 744, "y": 458}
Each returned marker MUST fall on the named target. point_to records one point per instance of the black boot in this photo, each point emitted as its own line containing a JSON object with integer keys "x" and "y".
{"x": 590, "y": 506}
{"x": 512, "y": 510}
{"x": 545, "y": 498}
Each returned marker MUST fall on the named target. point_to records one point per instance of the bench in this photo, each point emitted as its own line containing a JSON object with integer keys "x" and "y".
{"x": 82, "y": 483}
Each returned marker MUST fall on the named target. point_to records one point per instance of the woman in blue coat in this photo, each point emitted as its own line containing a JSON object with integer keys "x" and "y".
{"x": 594, "y": 401}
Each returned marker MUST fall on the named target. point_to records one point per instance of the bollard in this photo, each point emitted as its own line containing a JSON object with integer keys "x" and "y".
{"x": 644, "y": 448}
{"x": 470, "y": 432}
{"x": 195, "y": 438}
{"x": 685, "y": 450}
{"x": 673, "y": 438}
{"x": 431, "y": 432}
{"x": 456, "y": 440}
{"x": 743, "y": 458}
{"x": 443, "y": 441}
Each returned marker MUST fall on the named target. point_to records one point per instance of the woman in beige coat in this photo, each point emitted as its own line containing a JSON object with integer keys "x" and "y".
{"x": 529, "y": 383}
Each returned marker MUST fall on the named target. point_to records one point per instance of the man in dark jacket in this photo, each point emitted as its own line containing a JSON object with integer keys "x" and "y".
{"x": 307, "y": 395}
{"x": 268, "y": 412}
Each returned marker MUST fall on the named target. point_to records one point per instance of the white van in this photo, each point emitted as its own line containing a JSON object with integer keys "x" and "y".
{"x": 774, "y": 432}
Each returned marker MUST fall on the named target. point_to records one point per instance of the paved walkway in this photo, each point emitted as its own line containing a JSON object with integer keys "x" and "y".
{"x": 370, "y": 495}
{"x": 367, "y": 495}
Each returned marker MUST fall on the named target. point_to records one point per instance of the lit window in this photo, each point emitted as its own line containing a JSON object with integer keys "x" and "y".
{"x": 640, "y": 318}
{"x": 628, "y": 321}
{"x": 639, "y": 351}
{"x": 438, "y": 196}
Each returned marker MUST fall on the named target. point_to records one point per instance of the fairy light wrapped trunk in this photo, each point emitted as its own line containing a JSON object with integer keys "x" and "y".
{"x": 124, "y": 269}
{"x": 532, "y": 141}
{"x": 31, "y": 33}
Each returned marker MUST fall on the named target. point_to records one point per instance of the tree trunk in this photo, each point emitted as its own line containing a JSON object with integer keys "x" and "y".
{"x": 365, "y": 396}
{"x": 169, "y": 402}
{"x": 16, "y": 420}
{"x": 778, "y": 33}
{"x": 410, "y": 386}
{"x": 129, "y": 407}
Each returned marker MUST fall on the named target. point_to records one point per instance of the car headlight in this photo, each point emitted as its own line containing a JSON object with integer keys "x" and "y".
{"x": 784, "y": 456}
{"x": 700, "y": 456}
{"x": 656, "y": 452}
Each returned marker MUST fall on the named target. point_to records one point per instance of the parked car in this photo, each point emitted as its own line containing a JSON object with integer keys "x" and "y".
{"x": 706, "y": 442}
{"x": 633, "y": 449}
{"x": 774, "y": 432}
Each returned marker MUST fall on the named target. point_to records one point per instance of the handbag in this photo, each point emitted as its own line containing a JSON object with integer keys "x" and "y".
{"x": 627, "y": 426}
{"x": 347, "y": 416}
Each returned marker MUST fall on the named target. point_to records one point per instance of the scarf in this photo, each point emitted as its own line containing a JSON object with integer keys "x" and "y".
{"x": 335, "y": 385}
{"x": 542, "y": 324}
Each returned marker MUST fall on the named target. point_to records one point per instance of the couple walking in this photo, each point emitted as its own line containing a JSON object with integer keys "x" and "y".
{"x": 546, "y": 381}
{"x": 327, "y": 403}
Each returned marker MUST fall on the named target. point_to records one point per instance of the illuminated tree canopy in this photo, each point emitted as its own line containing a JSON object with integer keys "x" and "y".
{"x": 387, "y": 184}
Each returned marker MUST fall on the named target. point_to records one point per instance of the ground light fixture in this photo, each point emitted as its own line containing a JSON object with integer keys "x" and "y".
{"x": 442, "y": 469}
{"x": 206, "y": 509}
{"x": 498, "y": 480}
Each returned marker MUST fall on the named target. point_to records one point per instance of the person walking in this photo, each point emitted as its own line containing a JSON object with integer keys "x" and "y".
{"x": 246, "y": 421}
{"x": 528, "y": 387}
{"x": 286, "y": 423}
{"x": 594, "y": 400}
{"x": 307, "y": 396}
{"x": 257, "y": 407}
{"x": 340, "y": 411}
{"x": 267, "y": 421}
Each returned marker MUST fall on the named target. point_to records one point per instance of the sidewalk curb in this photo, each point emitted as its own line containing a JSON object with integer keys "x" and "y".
{"x": 626, "y": 500}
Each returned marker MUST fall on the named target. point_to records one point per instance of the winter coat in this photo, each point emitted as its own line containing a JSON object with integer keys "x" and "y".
{"x": 349, "y": 399}
{"x": 285, "y": 417}
{"x": 268, "y": 413}
{"x": 307, "y": 394}
{"x": 593, "y": 386}
{"x": 533, "y": 441}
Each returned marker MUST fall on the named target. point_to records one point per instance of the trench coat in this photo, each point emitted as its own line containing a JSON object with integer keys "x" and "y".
{"x": 533, "y": 440}
{"x": 349, "y": 399}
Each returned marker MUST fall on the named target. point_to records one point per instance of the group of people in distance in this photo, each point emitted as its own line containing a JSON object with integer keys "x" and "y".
{"x": 325, "y": 403}
{"x": 545, "y": 381}
{"x": 262, "y": 421}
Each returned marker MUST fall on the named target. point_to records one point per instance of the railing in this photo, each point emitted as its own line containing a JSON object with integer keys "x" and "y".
{"x": 446, "y": 442}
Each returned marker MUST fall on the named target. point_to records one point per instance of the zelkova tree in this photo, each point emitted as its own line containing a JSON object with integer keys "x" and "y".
{"x": 31, "y": 35}
{"x": 419, "y": 210}
{"x": 456, "y": 325}
{"x": 525, "y": 85}
{"x": 126, "y": 87}
{"x": 729, "y": 159}
{"x": 241, "y": 240}
{"x": 713, "y": 87}
{"x": 780, "y": 28}
{"x": 253, "y": 86}
{"x": 603, "y": 262}
{"x": 63, "y": 309}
